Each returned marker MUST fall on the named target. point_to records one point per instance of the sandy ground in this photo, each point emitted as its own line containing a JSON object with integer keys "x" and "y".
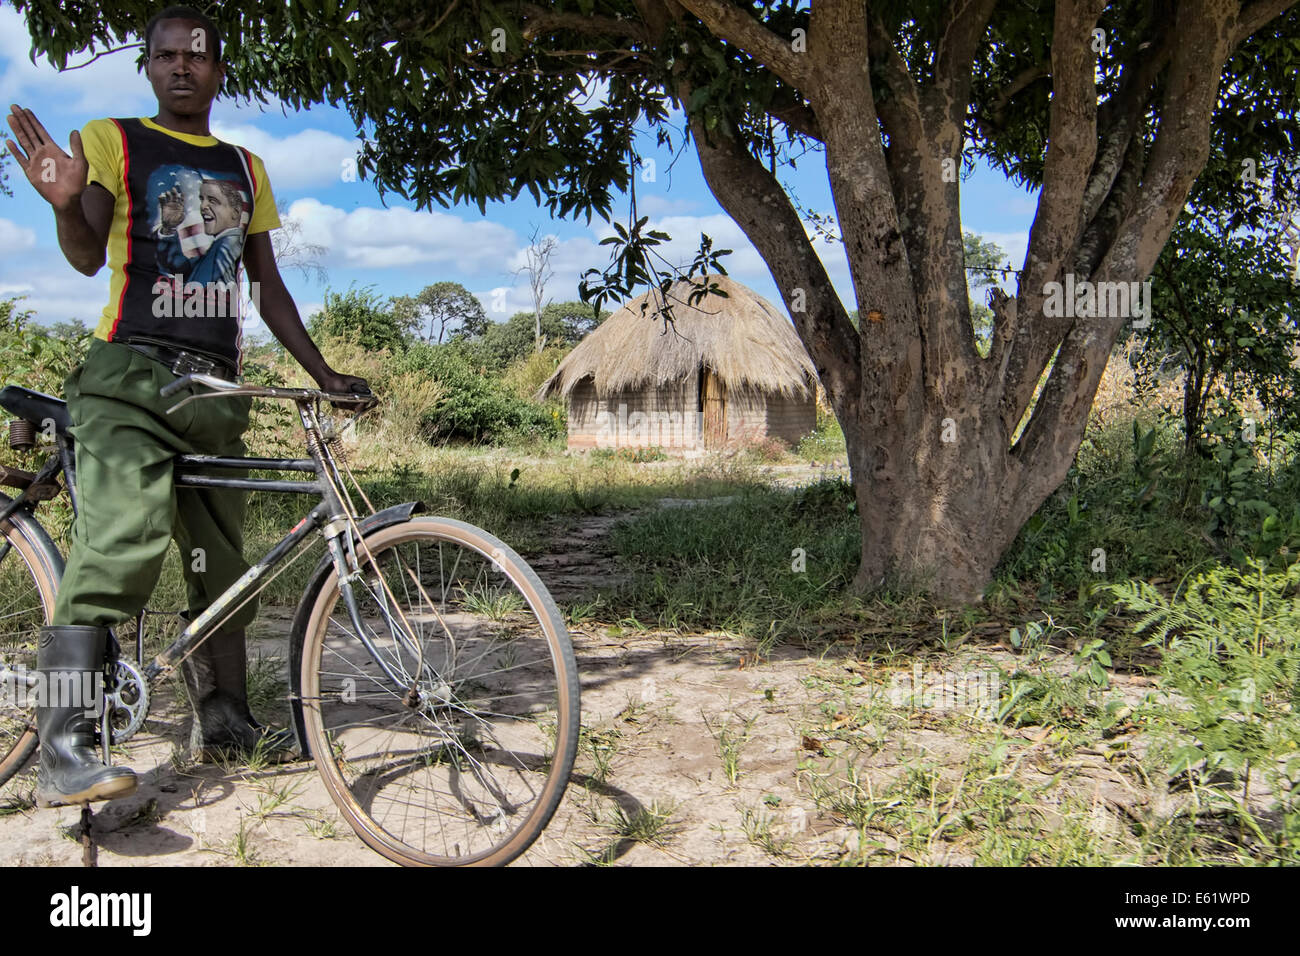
{"x": 711, "y": 754}
{"x": 659, "y": 712}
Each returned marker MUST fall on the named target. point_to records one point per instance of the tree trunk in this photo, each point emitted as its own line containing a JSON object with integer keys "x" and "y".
{"x": 941, "y": 490}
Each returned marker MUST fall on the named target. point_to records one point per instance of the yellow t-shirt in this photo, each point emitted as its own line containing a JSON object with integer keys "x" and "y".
{"x": 157, "y": 176}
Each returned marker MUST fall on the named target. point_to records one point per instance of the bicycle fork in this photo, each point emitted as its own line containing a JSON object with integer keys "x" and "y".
{"x": 348, "y": 568}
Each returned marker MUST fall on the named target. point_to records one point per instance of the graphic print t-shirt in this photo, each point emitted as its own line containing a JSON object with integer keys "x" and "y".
{"x": 185, "y": 205}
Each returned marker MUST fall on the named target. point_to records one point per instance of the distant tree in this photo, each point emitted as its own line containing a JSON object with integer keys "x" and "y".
{"x": 561, "y": 323}
{"x": 576, "y": 318}
{"x": 537, "y": 267}
{"x": 443, "y": 307}
{"x": 359, "y": 312}
{"x": 294, "y": 251}
{"x": 504, "y": 342}
{"x": 71, "y": 331}
{"x": 986, "y": 265}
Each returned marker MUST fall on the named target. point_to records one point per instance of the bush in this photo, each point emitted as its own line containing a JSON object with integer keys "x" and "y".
{"x": 769, "y": 449}
{"x": 526, "y": 375}
{"x": 359, "y": 314}
{"x": 826, "y": 441}
{"x": 1230, "y": 683}
{"x": 473, "y": 407}
{"x": 34, "y": 357}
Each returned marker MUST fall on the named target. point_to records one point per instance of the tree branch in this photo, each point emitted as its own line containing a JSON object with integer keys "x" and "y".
{"x": 737, "y": 27}
{"x": 800, "y": 118}
{"x": 1119, "y": 119}
{"x": 1058, "y": 224}
{"x": 959, "y": 38}
{"x": 1255, "y": 15}
{"x": 1182, "y": 142}
{"x": 1021, "y": 81}
{"x": 539, "y": 20}
{"x": 752, "y": 196}
{"x": 1181, "y": 147}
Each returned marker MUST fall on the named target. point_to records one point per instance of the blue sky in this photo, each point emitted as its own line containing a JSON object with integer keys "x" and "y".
{"x": 394, "y": 248}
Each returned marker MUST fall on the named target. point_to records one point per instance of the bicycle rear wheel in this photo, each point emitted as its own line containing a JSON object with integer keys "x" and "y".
{"x": 29, "y": 580}
{"x": 452, "y": 741}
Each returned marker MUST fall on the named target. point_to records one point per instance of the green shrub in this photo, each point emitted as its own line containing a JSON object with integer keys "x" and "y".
{"x": 35, "y": 357}
{"x": 1230, "y": 682}
{"x": 472, "y": 406}
{"x": 360, "y": 313}
{"x": 825, "y": 442}
{"x": 526, "y": 375}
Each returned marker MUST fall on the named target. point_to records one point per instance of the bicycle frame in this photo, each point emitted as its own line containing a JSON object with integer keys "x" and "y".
{"x": 332, "y": 516}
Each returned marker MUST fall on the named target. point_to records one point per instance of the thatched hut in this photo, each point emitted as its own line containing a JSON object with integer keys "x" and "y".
{"x": 726, "y": 371}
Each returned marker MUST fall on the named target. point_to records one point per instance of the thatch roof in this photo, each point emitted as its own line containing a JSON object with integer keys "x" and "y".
{"x": 745, "y": 341}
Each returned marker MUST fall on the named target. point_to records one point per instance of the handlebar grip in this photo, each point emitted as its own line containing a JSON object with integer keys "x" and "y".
{"x": 171, "y": 388}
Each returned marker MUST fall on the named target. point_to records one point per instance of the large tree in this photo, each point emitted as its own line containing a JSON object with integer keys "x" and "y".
{"x": 1112, "y": 110}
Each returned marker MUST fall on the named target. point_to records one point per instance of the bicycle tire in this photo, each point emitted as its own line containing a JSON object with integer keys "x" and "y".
{"x": 447, "y": 713}
{"x": 42, "y": 565}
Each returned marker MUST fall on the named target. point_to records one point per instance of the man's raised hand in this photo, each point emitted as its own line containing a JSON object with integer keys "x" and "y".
{"x": 58, "y": 177}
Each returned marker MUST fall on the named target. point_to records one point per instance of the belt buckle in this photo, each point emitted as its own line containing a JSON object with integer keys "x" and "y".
{"x": 188, "y": 363}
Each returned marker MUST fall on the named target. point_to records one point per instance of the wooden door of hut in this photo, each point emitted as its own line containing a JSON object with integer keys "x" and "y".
{"x": 713, "y": 396}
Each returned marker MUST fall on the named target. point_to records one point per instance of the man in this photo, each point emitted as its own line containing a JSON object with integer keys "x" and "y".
{"x": 126, "y": 193}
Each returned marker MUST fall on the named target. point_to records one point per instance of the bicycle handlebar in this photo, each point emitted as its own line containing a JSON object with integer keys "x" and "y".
{"x": 363, "y": 400}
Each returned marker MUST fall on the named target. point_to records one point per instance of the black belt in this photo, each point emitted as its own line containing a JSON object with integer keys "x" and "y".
{"x": 181, "y": 362}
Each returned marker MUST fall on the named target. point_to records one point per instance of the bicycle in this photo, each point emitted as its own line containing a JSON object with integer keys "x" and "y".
{"x": 432, "y": 679}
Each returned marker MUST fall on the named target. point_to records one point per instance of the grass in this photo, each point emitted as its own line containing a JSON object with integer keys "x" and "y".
{"x": 650, "y": 825}
{"x": 731, "y": 744}
{"x": 322, "y": 827}
{"x": 760, "y": 830}
{"x": 273, "y": 797}
{"x": 600, "y": 747}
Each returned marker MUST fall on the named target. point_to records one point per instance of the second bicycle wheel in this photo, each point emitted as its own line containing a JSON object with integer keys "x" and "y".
{"x": 29, "y": 579}
{"x": 449, "y": 740}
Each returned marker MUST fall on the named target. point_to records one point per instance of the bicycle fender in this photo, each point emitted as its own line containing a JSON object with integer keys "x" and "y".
{"x": 322, "y": 573}
{"x": 25, "y": 523}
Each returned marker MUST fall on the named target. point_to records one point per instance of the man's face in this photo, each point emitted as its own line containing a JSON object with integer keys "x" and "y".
{"x": 182, "y": 68}
{"x": 215, "y": 208}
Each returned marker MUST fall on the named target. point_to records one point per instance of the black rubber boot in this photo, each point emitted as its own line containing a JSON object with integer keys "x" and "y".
{"x": 71, "y": 660}
{"x": 216, "y": 678}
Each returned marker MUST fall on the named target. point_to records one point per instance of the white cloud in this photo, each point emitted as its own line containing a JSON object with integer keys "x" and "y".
{"x": 311, "y": 157}
{"x": 393, "y": 238}
{"x": 14, "y": 237}
{"x": 110, "y": 80}
{"x": 58, "y": 294}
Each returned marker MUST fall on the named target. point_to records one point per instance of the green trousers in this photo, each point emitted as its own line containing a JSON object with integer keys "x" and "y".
{"x": 130, "y": 508}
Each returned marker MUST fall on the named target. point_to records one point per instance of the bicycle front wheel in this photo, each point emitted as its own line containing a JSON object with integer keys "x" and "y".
{"x": 447, "y": 736}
